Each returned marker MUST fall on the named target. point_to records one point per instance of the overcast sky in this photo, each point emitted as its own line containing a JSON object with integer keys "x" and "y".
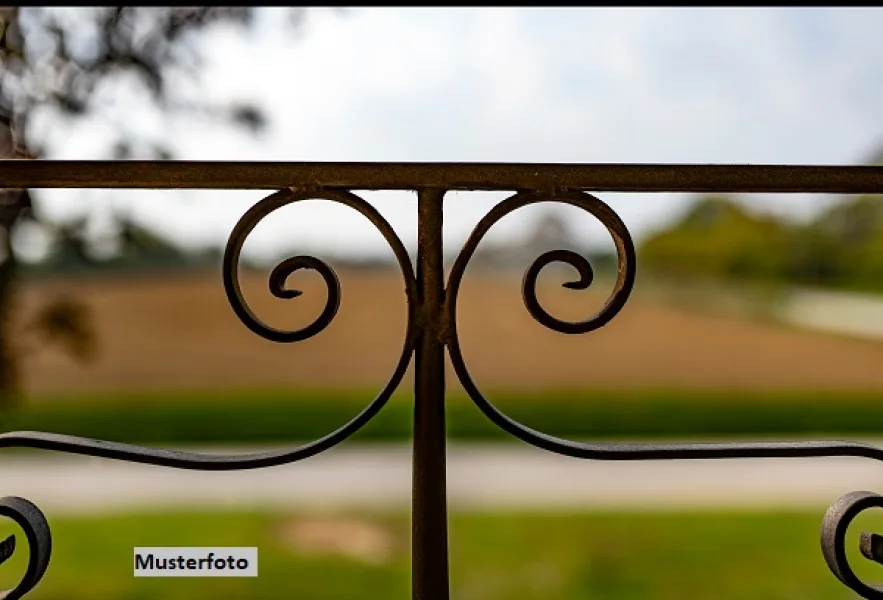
{"x": 798, "y": 86}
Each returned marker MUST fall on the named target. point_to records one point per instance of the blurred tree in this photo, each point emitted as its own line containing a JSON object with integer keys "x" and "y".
{"x": 815, "y": 258}
{"x": 54, "y": 62}
{"x": 70, "y": 245}
{"x": 719, "y": 237}
{"x": 131, "y": 246}
{"x": 143, "y": 245}
{"x": 847, "y": 238}
{"x": 875, "y": 158}
{"x": 843, "y": 245}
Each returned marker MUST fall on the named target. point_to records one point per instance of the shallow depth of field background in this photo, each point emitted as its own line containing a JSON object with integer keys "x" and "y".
{"x": 755, "y": 317}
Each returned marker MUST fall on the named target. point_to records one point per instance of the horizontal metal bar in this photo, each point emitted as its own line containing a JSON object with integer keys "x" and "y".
{"x": 452, "y": 176}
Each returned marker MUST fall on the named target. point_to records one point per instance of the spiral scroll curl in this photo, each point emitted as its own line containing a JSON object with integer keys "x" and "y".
{"x": 282, "y": 271}
{"x": 625, "y": 250}
{"x": 230, "y": 462}
{"x": 834, "y": 526}
{"x": 280, "y": 274}
{"x": 615, "y": 302}
{"x": 36, "y": 529}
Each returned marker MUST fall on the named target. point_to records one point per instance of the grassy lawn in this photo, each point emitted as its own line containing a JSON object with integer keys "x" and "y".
{"x": 271, "y": 416}
{"x": 493, "y": 556}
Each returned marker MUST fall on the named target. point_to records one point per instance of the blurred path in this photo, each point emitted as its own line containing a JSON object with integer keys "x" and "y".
{"x": 491, "y": 476}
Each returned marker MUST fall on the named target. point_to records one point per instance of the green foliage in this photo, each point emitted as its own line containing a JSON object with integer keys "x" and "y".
{"x": 271, "y": 417}
{"x": 718, "y": 237}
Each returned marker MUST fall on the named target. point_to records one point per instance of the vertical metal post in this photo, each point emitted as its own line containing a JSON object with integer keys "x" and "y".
{"x": 429, "y": 528}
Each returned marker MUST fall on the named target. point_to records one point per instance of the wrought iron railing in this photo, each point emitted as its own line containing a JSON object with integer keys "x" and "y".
{"x": 432, "y": 316}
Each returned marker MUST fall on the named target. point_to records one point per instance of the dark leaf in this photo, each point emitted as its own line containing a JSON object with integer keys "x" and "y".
{"x": 69, "y": 104}
{"x": 70, "y": 241}
{"x": 122, "y": 150}
{"x": 67, "y": 323}
{"x": 250, "y": 117}
{"x": 163, "y": 152}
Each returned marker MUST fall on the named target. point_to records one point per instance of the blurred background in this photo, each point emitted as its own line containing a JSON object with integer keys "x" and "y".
{"x": 754, "y": 317}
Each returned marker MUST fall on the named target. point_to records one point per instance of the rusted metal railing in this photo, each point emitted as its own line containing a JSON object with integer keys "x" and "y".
{"x": 432, "y": 315}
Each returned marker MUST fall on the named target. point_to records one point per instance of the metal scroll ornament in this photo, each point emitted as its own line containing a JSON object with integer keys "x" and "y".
{"x": 442, "y": 326}
{"x": 834, "y": 527}
{"x": 32, "y": 521}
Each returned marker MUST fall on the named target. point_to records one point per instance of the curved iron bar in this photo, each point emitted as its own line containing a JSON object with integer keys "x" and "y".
{"x": 625, "y": 250}
{"x": 617, "y": 299}
{"x": 36, "y": 528}
{"x": 211, "y": 462}
{"x": 837, "y": 520}
{"x": 838, "y": 517}
{"x": 32, "y": 520}
{"x": 281, "y": 272}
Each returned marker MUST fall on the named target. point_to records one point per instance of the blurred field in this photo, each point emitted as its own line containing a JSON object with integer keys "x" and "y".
{"x": 178, "y": 332}
{"x": 495, "y": 556}
{"x": 283, "y": 416}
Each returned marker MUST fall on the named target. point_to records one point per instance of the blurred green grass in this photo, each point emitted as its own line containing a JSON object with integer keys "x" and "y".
{"x": 494, "y": 556}
{"x": 271, "y": 416}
